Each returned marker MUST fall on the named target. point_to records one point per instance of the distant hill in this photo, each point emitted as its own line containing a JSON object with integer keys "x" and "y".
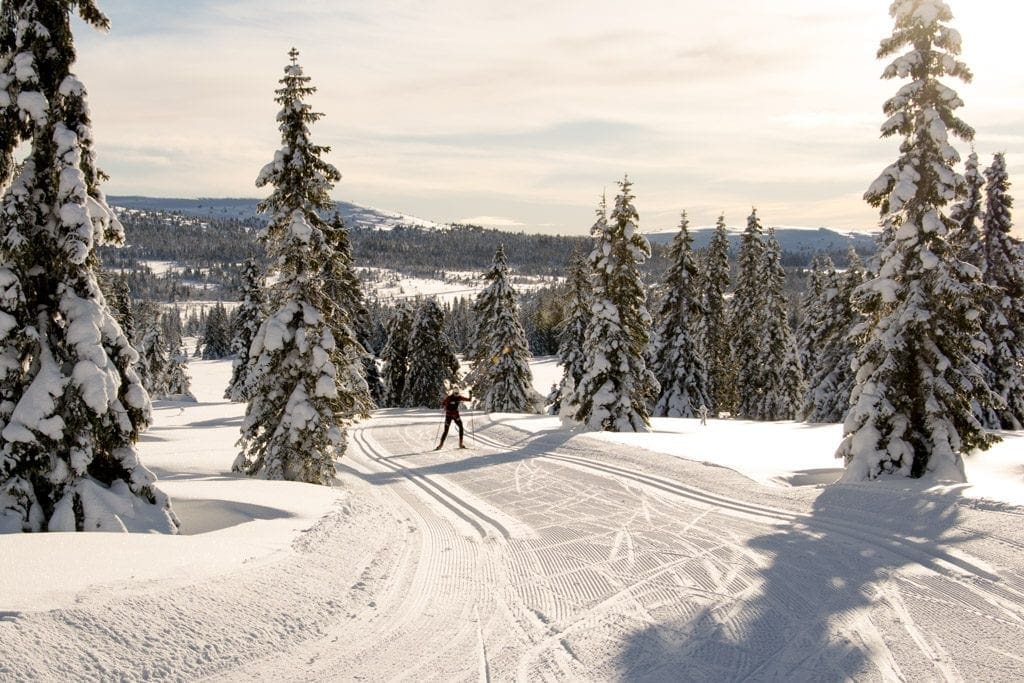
{"x": 244, "y": 209}
{"x": 800, "y": 244}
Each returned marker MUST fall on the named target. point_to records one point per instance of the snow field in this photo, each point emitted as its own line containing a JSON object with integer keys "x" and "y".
{"x": 538, "y": 553}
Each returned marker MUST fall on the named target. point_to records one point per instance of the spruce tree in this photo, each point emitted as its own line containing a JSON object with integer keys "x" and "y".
{"x": 342, "y": 284}
{"x": 714, "y": 324}
{"x": 1003, "y": 317}
{"x": 395, "y": 355}
{"x": 153, "y": 364}
{"x": 179, "y": 385}
{"x": 71, "y": 403}
{"x": 432, "y": 363}
{"x": 780, "y": 381}
{"x": 571, "y": 337}
{"x": 217, "y": 335}
{"x": 966, "y": 215}
{"x": 121, "y": 306}
{"x": 616, "y": 386}
{"x": 501, "y": 377}
{"x": 822, "y": 283}
{"x": 917, "y": 382}
{"x": 248, "y": 317}
{"x": 746, "y": 317}
{"x": 829, "y": 376}
{"x": 676, "y": 362}
{"x": 306, "y": 378}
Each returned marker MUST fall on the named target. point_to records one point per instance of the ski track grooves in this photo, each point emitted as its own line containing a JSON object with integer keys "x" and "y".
{"x": 463, "y": 509}
{"x": 952, "y": 582}
{"x": 545, "y": 556}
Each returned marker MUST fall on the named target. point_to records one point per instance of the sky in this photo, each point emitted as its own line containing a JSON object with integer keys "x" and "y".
{"x": 520, "y": 115}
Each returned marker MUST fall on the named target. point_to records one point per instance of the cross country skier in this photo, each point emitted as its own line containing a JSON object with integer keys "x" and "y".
{"x": 451, "y": 414}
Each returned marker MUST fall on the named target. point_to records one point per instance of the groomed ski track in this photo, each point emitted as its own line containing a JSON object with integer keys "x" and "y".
{"x": 555, "y": 556}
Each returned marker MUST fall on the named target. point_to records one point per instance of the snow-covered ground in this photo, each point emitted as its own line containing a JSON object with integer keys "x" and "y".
{"x": 389, "y": 285}
{"x": 694, "y": 552}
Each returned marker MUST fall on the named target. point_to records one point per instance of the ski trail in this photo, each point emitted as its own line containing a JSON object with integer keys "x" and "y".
{"x": 485, "y": 674}
{"x": 928, "y": 646}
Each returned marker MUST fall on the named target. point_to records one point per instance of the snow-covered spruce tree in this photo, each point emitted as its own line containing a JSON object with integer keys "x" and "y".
{"x": 616, "y": 386}
{"x": 432, "y": 362}
{"x": 153, "y": 363}
{"x": 676, "y": 362}
{"x": 179, "y": 385}
{"x": 121, "y": 306}
{"x": 71, "y": 403}
{"x": 822, "y": 283}
{"x": 571, "y": 336}
{"x": 343, "y": 286}
{"x": 713, "y": 325}
{"x": 911, "y": 408}
{"x": 248, "y": 317}
{"x": 966, "y": 215}
{"x": 501, "y": 378}
{"x": 395, "y": 355}
{"x": 829, "y": 376}
{"x": 217, "y": 335}
{"x": 782, "y": 378}
{"x": 306, "y": 379}
{"x": 747, "y": 312}
{"x": 1003, "y": 317}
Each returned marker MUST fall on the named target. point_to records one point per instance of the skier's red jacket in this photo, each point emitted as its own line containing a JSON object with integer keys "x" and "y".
{"x": 451, "y": 405}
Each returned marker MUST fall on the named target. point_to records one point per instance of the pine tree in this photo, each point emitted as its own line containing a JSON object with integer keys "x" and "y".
{"x": 714, "y": 324}
{"x": 1003, "y": 317}
{"x": 616, "y": 386}
{"x": 153, "y": 363}
{"x": 780, "y": 380}
{"x": 121, "y": 306}
{"x": 677, "y": 364}
{"x": 217, "y": 335}
{"x": 822, "y": 283}
{"x": 248, "y": 317}
{"x": 306, "y": 378}
{"x": 432, "y": 362}
{"x": 343, "y": 286}
{"x": 179, "y": 385}
{"x": 71, "y": 403}
{"x": 748, "y": 304}
{"x": 571, "y": 337}
{"x": 395, "y": 355}
{"x": 966, "y": 236}
{"x": 501, "y": 376}
{"x": 911, "y": 408}
{"x": 830, "y": 378}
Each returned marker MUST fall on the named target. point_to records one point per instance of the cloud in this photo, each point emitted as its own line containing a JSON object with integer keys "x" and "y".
{"x": 450, "y": 108}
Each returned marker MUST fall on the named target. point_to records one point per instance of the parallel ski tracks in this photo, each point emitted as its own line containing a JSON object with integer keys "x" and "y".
{"x": 980, "y": 583}
{"x": 486, "y": 526}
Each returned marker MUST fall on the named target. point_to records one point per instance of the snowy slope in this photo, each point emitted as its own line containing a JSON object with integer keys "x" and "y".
{"x": 538, "y": 554}
{"x": 245, "y": 209}
{"x": 794, "y": 240}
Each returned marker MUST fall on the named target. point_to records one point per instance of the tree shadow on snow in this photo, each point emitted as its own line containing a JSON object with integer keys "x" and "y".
{"x": 803, "y": 615}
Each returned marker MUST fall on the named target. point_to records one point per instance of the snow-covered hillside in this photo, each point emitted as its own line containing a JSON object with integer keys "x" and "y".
{"x": 794, "y": 240}
{"x": 540, "y": 553}
{"x": 245, "y": 209}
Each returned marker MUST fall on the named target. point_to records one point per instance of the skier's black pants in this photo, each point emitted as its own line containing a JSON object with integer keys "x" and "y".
{"x": 448, "y": 419}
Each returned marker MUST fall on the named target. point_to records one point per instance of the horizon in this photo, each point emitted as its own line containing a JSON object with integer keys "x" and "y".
{"x": 519, "y": 118}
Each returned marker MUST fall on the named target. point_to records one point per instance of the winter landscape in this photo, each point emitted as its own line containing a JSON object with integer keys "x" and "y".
{"x": 299, "y": 438}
